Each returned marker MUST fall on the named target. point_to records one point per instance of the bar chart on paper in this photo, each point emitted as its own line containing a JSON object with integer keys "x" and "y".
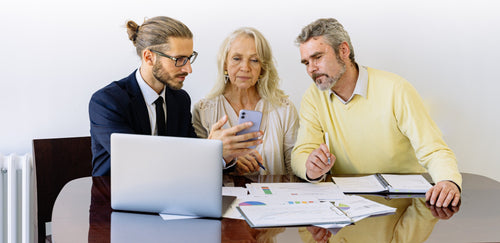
{"x": 321, "y": 191}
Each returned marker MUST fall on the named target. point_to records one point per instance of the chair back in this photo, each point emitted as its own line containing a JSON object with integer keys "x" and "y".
{"x": 57, "y": 161}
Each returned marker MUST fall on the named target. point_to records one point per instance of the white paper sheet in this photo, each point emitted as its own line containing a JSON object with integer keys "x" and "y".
{"x": 293, "y": 214}
{"x": 322, "y": 191}
{"x": 165, "y": 216}
{"x": 234, "y": 191}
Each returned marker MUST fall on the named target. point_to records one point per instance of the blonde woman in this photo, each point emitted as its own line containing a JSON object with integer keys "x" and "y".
{"x": 248, "y": 79}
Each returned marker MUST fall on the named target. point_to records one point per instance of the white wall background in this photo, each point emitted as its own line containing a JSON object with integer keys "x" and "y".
{"x": 55, "y": 54}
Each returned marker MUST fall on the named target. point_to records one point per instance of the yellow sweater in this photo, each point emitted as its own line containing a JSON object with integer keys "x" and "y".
{"x": 388, "y": 131}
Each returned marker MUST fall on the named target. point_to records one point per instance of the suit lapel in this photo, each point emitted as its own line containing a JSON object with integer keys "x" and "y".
{"x": 139, "y": 108}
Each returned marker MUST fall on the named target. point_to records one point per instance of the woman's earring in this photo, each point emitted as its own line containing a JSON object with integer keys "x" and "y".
{"x": 226, "y": 77}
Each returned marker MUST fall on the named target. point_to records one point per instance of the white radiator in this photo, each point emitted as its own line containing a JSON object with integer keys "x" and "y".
{"x": 15, "y": 199}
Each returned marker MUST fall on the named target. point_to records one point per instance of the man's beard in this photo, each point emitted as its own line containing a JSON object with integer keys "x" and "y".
{"x": 329, "y": 81}
{"x": 165, "y": 77}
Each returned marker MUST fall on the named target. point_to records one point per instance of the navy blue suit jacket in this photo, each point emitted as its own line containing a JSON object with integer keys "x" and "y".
{"x": 120, "y": 108}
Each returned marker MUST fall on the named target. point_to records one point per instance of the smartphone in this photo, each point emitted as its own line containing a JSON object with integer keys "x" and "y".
{"x": 255, "y": 117}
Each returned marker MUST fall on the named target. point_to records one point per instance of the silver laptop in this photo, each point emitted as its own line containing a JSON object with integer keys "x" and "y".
{"x": 134, "y": 227}
{"x": 172, "y": 175}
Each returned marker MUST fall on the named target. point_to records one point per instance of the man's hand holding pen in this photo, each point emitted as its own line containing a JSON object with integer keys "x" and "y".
{"x": 319, "y": 162}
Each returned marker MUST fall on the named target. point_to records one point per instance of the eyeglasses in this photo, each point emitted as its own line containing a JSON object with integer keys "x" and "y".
{"x": 179, "y": 61}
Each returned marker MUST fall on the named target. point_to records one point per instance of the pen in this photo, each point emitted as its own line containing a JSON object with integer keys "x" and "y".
{"x": 327, "y": 141}
{"x": 261, "y": 166}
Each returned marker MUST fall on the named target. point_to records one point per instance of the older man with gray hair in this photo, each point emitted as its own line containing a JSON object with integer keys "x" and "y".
{"x": 376, "y": 120}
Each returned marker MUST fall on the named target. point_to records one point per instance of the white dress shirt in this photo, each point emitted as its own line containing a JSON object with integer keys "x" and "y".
{"x": 149, "y": 97}
{"x": 360, "y": 88}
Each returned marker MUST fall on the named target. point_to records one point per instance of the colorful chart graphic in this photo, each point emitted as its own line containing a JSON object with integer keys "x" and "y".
{"x": 300, "y": 202}
{"x": 266, "y": 190}
{"x": 344, "y": 206}
{"x": 251, "y": 203}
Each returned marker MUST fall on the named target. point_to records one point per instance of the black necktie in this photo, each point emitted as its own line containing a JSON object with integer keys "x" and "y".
{"x": 160, "y": 117}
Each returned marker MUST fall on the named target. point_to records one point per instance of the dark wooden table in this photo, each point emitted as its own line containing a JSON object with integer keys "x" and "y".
{"x": 82, "y": 213}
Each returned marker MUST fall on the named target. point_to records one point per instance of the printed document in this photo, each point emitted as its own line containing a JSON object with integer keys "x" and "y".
{"x": 383, "y": 183}
{"x": 324, "y": 191}
{"x": 250, "y": 200}
{"x": 293, "y": 214}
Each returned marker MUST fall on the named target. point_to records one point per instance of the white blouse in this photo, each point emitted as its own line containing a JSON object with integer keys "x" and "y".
{"x": 279, "y": 124}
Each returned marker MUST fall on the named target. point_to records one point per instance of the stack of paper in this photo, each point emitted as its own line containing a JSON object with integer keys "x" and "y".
{"x": 293, "y": 214}
{"x": 250, "y": 200}
{"x": 295, "y": 204}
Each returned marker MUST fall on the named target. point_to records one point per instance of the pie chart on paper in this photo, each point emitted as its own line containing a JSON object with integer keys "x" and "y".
{"x": 344, "y": 206}
{"x": 251, "y": 203}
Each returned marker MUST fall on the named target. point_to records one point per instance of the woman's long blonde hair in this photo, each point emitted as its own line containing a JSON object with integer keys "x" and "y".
{"x": 268, "y": 84}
